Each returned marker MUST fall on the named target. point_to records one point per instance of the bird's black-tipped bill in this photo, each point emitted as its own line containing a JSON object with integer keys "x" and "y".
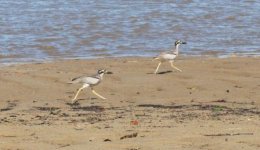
{"x": 183, "y": 42}
{"x": 109, "y": 72}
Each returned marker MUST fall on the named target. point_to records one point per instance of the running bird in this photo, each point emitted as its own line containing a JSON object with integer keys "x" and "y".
{"x": 169, "y": 56}
{"x": 89, "y": 81}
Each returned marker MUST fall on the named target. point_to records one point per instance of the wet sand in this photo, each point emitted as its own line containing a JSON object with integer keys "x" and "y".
{"x": 213, "y": 104}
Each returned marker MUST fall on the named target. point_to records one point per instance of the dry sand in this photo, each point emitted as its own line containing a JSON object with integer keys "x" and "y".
{"x": 213, "y": 104}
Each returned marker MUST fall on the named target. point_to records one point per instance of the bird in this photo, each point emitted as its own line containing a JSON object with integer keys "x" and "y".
{"x": 89, "y": 81}
{"x": 169, "y": 56}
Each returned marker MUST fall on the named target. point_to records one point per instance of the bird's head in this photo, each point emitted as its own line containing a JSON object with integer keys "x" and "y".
{"x": 178, "y": 42}
{"x": 102, "y": 71}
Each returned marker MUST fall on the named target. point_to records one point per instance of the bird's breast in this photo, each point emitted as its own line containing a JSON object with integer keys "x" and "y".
{"x": 169, "y": 56}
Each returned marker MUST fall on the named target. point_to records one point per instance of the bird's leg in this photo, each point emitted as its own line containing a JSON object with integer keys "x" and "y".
{"x": 74, "y": 99}
{"x": 157, "y": 67}
{"x": 175, "y": 66}
{"x": 93, "y": 91}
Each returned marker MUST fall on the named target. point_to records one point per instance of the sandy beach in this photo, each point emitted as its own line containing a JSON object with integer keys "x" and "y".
{"x": 213, "y": 104}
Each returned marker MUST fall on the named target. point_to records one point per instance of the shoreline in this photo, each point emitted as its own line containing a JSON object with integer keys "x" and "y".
{"x": 213, "y": 104}
{"x": 182, "y": 56}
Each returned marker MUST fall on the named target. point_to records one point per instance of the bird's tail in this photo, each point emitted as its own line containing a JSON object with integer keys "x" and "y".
{"x": 70, "y": 82}
{"x": 74, "y": 80}
{"x": 155, "y": 58}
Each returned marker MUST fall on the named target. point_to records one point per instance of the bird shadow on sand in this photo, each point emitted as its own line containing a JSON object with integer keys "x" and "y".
{"x": 165, "y": 72}
{"x": 162, "y": 72}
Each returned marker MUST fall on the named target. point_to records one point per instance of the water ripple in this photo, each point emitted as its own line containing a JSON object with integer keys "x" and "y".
{"x": 45, "y": 29}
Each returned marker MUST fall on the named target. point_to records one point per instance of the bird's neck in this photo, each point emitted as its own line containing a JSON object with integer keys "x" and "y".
{"x": 101, "y": 75}
{"x": 176, "y": 50}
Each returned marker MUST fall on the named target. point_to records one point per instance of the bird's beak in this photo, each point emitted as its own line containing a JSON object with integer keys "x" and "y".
{"x": 108, "y": 72}
{"x": 183, "y": 42}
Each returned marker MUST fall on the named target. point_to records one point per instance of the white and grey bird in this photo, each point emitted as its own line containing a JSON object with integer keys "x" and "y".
{"x": 169, "y": 56}
{"x": 89, "y": 81}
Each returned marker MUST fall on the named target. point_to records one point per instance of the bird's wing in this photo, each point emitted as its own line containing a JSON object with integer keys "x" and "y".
{"x": 91, "y": 80}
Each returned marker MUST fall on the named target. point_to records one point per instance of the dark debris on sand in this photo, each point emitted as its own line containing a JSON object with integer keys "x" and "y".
{"x": 180, "y": 113}
{"x": 10, "y": 105}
